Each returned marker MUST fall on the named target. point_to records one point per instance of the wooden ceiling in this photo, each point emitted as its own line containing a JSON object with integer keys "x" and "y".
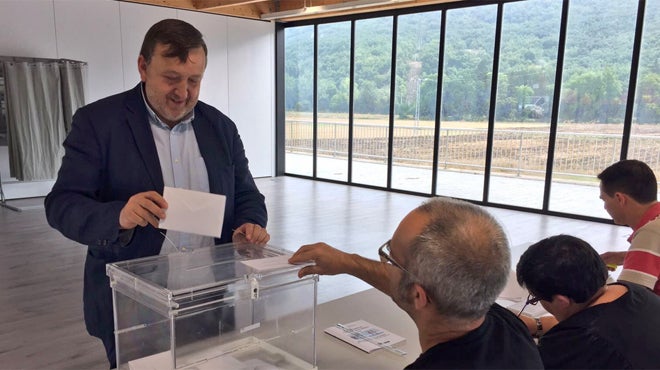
{"x": 287, "y": 10}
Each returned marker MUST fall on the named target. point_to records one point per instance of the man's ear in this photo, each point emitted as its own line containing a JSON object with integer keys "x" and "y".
{"x": 142, "y": 67}
{"x": 561, "y": 301}
{"x": 621, "y": 198}
{"x": 420, "y": 298}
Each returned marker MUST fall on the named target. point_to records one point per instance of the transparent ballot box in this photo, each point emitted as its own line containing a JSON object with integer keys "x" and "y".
{"x": 232, "y": 306}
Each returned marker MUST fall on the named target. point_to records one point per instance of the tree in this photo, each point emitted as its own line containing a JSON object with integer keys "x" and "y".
{"x": 522, "y": 93}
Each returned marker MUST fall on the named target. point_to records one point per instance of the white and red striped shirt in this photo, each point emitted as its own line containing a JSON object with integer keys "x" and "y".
{"x": 642, "y": 262}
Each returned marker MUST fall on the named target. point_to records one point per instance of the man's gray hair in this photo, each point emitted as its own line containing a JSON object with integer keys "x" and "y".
{"x": 461, "y": 259}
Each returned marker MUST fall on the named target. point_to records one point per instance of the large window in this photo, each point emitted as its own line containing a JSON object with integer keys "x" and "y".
{"x": 512, "y": 103}
{"x": 371, "y": 100}
{"x": 466, "y": 82}
{"x": 528, "y": 62}
{"x": 334, "y": 79}
{"x": 645, "y": 133}
{"x": 299, "y": 99}
{"x": 594, "y": 92}
{"x": 417, "y": 50}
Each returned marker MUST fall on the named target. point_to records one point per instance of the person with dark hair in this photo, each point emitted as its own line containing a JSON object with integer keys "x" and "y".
{"x": 124, "y": 149}
{"x": 445, "y": 265}
{"x": 597, "y": 326}
{"x": 629, "y": 191}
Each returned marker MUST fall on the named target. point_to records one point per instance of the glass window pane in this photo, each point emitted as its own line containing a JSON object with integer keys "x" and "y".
{"x": 645, "y": 137}
{"x": 524, "y": 102}
{"x": 334, "y": 53}
{"x": 597, "y": 59}
{"x": 373, "y": 60}
{"x": 299, "y": 97}
{"x": 418, "y": 41}
{"x": 468, "y": 63}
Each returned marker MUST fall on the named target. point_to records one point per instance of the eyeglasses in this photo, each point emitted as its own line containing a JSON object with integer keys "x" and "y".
{"x": 531, "y": 299}
{"x": 385, "y": 256}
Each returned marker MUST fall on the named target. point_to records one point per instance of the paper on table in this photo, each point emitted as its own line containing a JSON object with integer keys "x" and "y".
{"x": 193, "y": 212}
{"x": 514, "y": 297}
{"x": 512, "y": 291}
{"x": 245, "y": 354}
{"x": 365, "y": 336}
{"x": 531, "y": 310}
{"x": 163, "y": 360}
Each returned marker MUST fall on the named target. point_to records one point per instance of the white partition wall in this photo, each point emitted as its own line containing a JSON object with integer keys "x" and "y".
{"x": 215, "y": 90}
{"x": 27, "y": 29}
{"x": 135, "y": 20}
{"x": 85, "y": 29}
{"x": 251, "y": 58}
{"x": 107, "y": 34}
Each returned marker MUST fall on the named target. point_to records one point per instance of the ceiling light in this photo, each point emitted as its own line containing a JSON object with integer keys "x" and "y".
{"x": 309, "y": 10}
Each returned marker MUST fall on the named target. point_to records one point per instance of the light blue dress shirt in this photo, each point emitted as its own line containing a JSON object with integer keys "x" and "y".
{"x": 183, "y": 167}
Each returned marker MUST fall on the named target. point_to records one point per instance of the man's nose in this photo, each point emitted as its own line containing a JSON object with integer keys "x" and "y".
{"x": 182, "y": 89}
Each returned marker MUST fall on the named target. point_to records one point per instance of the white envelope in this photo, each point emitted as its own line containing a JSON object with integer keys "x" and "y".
{"x": 193, "y": 212}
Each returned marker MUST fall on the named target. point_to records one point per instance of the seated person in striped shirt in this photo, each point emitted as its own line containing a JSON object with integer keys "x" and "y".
{"x": 629, "y": 190}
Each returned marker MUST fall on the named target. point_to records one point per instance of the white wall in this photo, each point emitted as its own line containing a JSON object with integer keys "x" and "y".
{"x": 251, "y": 56}
{"x": 107, "y": 34}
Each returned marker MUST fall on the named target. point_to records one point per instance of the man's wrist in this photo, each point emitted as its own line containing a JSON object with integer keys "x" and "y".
{"x": 539, "y": 327}
{"x": 125, "y": 236}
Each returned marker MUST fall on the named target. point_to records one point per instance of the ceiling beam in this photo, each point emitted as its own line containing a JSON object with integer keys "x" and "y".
{"x": 209, "y": 5}
{"x": 253, "y": 9}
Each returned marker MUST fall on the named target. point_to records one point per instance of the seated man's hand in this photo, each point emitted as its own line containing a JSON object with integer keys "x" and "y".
{"x": 613, "y": 258}
{"x": 328, "y": 260}
{"x": 250, "y": 233}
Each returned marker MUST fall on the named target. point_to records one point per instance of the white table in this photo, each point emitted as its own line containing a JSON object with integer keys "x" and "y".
{"x": 376, "y": 308}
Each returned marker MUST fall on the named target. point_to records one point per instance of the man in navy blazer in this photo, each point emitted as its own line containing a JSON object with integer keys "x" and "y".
{"x": 108, "y": 193}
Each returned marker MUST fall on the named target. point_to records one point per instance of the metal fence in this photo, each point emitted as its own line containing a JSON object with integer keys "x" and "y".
{"x": 578, "y": 156}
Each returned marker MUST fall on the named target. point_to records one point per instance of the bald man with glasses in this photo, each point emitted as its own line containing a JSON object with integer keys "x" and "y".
{"x": 445, "y": 265}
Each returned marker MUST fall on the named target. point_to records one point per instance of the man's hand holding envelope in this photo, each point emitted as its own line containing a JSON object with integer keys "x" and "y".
{"x": 202, "y": 213}
{"x": 142, "y": 209}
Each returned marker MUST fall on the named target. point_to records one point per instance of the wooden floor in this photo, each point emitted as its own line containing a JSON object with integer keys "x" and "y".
{"x": 41, "y": 325}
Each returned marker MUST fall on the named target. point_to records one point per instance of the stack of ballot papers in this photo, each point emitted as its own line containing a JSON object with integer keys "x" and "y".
{"x": 365, "y": 336}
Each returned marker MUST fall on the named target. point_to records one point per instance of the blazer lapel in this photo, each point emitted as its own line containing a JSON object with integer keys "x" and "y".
{"x": 138, "y": 121}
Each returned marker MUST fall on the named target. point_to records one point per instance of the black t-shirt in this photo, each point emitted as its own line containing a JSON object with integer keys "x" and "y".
{"x": 623, "y": 334}
{"x": 501, "y": 342}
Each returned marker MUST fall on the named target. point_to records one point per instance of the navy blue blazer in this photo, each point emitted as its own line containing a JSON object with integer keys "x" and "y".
{"x": 110, "y": 155}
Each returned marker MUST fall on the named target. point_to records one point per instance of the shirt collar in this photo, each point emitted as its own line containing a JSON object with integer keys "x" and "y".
{"x": 651, "y": 214}
{"x": 183, "y": 125}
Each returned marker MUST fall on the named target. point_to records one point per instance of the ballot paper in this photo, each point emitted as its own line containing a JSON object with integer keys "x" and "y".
{"x": 514, "y": 297}
{"x": 272, "y": 263}
{"x": 163, "y": 360}
{"x": 366, "y": 336}
{"x": 247, "y": 353}
{"x": 193, "y": 212}
{"x": 530, "y": 310}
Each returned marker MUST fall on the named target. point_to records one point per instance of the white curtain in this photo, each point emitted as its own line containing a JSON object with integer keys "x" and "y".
{"x": 41, "y": 97}
{"x": 74, "y": 78}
